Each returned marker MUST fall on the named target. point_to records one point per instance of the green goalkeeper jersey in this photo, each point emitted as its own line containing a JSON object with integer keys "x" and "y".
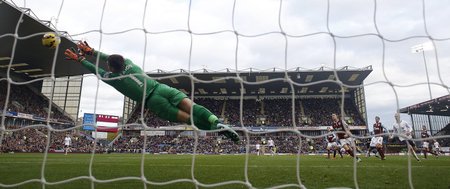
{"x": 130, "y": 82}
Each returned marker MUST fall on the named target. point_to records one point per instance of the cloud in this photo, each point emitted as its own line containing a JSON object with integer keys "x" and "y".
{"x": 100, "y": 98}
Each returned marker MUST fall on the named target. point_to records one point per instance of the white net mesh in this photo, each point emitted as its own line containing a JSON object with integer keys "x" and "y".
{"x": 198, "y": 34}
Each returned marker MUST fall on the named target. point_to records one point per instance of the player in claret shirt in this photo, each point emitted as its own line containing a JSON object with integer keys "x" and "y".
{"x": 332, "y": 144}
{"x": 426, "y": 144}
{"x": 344, "y": 138}
{"x": 166, "y": 102}
{"x": 378, "y": 129}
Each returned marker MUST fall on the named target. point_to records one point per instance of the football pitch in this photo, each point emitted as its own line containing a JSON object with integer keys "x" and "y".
{"x": 262, "y": 172}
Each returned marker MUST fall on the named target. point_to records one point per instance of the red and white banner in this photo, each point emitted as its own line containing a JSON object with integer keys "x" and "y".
{"x": 107, "y": 129}
{"x": 105, "y": 124}
{"x": 107, "y": 118}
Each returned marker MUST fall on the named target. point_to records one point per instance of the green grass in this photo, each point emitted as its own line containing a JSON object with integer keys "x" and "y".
{"x": 263, "y": 171}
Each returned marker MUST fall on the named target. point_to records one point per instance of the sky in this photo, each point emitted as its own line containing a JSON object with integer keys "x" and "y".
{"x": 358, "y": 33}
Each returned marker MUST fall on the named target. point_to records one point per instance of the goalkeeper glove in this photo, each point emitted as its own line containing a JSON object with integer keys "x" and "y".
{"x": 72, "y": 55}
{"x": 85, "y": 48}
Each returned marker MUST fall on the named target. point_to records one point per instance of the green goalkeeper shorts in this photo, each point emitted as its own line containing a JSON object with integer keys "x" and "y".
{"x": 164, "y": 102}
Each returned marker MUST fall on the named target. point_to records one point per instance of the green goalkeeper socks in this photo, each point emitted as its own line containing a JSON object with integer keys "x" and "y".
{"x": 203, "y": 118}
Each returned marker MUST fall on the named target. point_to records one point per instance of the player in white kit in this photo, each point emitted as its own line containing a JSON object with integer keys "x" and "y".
{"x": 332, "y": 145}
{"x": 271, "y": 145}
{"x": 67, "y": 143}
{"x": 258, "y": 148}
{"x": 402, "y": 127}
{"x": 372, "y": 146}
{"x": 436, "y": 148}
{"x": 426, "y": 144}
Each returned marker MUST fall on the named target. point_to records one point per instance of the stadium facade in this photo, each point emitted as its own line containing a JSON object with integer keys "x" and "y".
{"x": 344, "y": 85}
{"x": 434, "y": 114}
{"x": 38, "y": 67}
{"x": 64, "y": 92}
{"x": 293, "y": 89}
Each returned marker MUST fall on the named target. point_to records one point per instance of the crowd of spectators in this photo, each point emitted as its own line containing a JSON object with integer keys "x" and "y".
{"x": 278, "y": 112}
{"x": 149, "y": 118}
{"x": 231, "y": 115}
{"x": 212, "y": 144}
{"x": 275, "y": 112}
{"x": 34, "y": 139}
{"x": 319, "y": 110}
{"x": 24, "y": 100}
{"x": 267, "y": 112}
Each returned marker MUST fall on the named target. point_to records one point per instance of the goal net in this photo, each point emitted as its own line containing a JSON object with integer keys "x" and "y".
{"x": 273, "y": 70}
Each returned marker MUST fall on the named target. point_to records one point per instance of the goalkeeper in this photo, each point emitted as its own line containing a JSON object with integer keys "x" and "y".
{"x": 166, "y": 102}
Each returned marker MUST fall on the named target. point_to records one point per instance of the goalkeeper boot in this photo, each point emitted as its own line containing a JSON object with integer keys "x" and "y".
{"x": 228, "y": 132}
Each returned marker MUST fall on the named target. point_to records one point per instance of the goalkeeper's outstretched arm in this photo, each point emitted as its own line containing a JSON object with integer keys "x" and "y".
{"x": 132, "y": 86}
{"x": 88, "y": 50}
{"x": 71, "y": 54}
{"x": 85, "y": 49}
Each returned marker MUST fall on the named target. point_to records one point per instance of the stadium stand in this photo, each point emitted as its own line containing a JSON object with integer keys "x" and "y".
{"x": 35, "y": 140}
{"x": 267, "y": 112}
{"x": 25, "y": 103}
{"x": 445, "y": 131}
{"x": 208, "y": 145}
{"x": 264, "y": 112}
